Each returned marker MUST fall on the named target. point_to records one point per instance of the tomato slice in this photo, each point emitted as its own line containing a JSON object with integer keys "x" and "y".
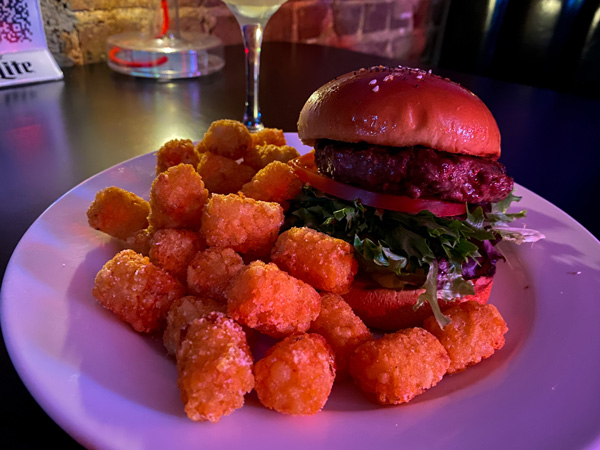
{"x": 307, "y": 171}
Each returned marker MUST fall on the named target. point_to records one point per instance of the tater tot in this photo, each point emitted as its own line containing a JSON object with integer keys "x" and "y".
{"x": 210, "y": 271}
{"x": 261, "y": 155}
{"x": 200, "y": 147}
{"x": 273, "y": 136}
{"x": 342, "y": 329}
{"x": 172, "y": 249}
{"x": 265, "y": 298}
{"x": 246, "y": 225}
{"x": 275, "y": 182}
{"x": 136, "y": 290}
{"x": 140, "y": 241}
{"x": 228, "y": 138}
{"x": 322, "y": 261}
{"x": 118, "y": 213}
{"x": 475, "y": 332}
{"x": 398, "y": 366}
{"x": 214, "y": 367}
{"x": 184, "y": 311}
{"x": 177, "y": 197}
{"x": 174, "y": 152}
{"x": 223, "y": 175}
{"x": 296, "y": 375}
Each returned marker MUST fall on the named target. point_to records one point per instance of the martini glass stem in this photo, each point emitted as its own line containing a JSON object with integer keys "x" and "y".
{"x": 253, "y": 35}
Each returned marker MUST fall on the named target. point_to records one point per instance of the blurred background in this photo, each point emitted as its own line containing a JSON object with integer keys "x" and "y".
{"x": 545, "y": 43}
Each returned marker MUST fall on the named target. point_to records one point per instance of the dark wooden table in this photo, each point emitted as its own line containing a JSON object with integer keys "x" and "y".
{"x": 55, "y": 135}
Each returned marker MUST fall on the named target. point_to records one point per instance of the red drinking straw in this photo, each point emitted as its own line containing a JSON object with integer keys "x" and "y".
{"x": 112, "y": 54}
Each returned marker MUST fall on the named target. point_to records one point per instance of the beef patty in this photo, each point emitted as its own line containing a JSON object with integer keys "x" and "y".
{"x": 416, "y": 172}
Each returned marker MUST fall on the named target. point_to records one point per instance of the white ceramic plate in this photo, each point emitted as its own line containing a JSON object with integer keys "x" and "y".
{"x": 111, "y": 388}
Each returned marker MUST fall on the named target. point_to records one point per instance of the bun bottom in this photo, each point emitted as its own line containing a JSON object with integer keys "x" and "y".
{"x": 391, "y": 310}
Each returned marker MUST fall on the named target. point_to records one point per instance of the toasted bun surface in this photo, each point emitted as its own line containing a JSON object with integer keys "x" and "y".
{"x": 391, "y": 310}
{"x": 400, "y": 107}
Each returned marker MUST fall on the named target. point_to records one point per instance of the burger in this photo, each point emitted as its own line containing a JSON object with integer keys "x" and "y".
{"x": 405, "y": 168}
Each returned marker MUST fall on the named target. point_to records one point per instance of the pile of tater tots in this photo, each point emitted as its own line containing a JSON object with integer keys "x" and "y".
{"x": 207, "y": 265}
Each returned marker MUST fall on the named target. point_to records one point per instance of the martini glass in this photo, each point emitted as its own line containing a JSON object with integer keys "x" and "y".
{"x": 253, "y": 15}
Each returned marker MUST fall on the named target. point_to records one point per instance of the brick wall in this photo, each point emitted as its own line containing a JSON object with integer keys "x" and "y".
{"x": 77, "y": 29}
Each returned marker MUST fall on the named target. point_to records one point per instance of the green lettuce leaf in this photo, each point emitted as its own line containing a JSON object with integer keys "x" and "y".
{"x": 401, "y": 250}
{"x": 431, "y": 295}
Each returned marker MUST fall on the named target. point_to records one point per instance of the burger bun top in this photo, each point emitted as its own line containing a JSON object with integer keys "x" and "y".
{"x": 400, "y": 107}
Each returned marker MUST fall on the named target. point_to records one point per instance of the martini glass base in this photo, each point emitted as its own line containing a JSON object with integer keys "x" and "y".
{"x": 165, "y": 58}
{"x": 253, "y": 126}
